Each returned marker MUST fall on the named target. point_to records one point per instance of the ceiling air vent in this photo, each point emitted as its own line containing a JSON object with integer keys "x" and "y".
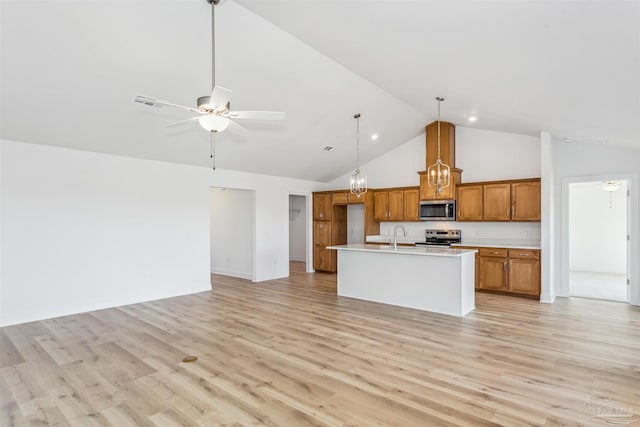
{"x": 329, "y": 148}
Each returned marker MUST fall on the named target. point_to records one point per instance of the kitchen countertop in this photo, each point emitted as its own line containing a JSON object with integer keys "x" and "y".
{"x": 404, "y": 250}
{"x": 389, "y": 239}
{"x": 500, "y": 243}
{"x": 478, "y": 242}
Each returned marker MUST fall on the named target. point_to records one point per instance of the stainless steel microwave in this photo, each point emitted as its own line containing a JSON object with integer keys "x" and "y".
{"x": 438, "y": 210}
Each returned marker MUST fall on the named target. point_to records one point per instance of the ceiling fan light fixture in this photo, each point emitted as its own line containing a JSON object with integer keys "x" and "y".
{"x": 610, "y": 185}
{"x": 213, "y": 122}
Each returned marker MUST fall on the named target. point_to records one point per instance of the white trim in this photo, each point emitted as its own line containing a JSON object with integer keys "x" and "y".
{"x": 238, "y": 274}
{"x": 308, "y": 227}
{"x": 632, "y": 227}
{"x": 547, "y": 299}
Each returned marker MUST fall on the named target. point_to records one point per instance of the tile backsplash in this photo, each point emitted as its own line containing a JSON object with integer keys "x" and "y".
{"x": 470, "y": 230}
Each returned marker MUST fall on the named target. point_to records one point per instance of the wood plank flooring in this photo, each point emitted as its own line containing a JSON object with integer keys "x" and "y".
{"x": 291, "y": 352}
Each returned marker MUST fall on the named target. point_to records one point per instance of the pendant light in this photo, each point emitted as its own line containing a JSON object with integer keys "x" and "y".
{"x": 439, "y": 173}
{"x": 358, "y": 181}
{"x": 610, "y": 187}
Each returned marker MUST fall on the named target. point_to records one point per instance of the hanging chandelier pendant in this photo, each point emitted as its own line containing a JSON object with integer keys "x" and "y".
{"x": 358, "y": 181}
{"x": 439, "y": 173}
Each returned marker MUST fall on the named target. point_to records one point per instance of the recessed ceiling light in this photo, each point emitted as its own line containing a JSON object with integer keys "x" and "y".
{"x": 374, "y": 136}
{"x": 329, "y": 148}
{"x": 473, "y": 119}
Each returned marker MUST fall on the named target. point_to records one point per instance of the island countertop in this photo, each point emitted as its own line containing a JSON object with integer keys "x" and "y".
{"x": 404, "y": 250}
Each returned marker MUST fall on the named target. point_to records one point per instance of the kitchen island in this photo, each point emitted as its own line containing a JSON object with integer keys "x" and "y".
{"x": 440, "y": 280}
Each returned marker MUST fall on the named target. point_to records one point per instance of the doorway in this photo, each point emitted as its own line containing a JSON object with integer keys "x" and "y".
{"x": 598, "y": 229}
{"x": 297, "y": 232}
{"x": 232, "y": 218}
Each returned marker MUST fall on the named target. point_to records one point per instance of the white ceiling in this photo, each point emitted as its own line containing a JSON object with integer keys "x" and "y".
{"x": 70, "y": 70}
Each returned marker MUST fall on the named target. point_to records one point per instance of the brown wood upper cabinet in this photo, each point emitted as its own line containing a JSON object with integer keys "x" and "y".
{"x": 322, "y": 206}
{"x": 469, "y": 202}
{"x": 399, "y": 204}
{"x": 346, "y": 197}
{"x": 389, "y": 205}
{"x": 514, "y": 200}
{"x": 496, "y": 200}
{"x": 525, "y": 201}
{"x": 411, "y": 204}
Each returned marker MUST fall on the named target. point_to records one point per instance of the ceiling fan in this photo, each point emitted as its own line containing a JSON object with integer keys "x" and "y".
{"x": 214, "y": 111}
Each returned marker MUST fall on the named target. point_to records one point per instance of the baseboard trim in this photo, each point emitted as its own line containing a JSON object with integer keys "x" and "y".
{"x": 547, "y": 298}
{"x": 232, "y": 273}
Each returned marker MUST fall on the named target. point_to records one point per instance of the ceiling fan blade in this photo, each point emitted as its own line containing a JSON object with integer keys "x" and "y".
{"x": 181, "y": 122}
{"x": 256, "y": 115}
{"x": 220, "y": 97}
{"x": 158, "y": 103}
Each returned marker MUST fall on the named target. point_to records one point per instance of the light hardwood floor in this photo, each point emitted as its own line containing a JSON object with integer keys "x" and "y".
{"x": 290, "y": 352}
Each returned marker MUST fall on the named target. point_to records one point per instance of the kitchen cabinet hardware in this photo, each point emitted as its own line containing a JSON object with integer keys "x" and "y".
{"x": 510, "y": 200}
{"x": 511, "y": 271}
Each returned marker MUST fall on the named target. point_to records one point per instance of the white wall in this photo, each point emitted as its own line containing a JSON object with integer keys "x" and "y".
{"x": 590, "y": 162}
{"x": 396, "y": 168}
{"x": 297, "y": 228}
{"x": 231, "y": 232}
{"x": 597, "y": 228}
{"x": 82, "y": 231}
{"x": 355, "y": 224}
{"x": 486, "y": 155}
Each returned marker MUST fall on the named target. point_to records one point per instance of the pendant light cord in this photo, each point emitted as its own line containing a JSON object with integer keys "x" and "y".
{"x": 439, "y": 100}
{"x": 357, "y": 117}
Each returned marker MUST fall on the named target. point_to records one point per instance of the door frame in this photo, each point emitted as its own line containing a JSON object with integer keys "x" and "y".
{"x": 633, "y": 250}
{"x": 308, "y": 230}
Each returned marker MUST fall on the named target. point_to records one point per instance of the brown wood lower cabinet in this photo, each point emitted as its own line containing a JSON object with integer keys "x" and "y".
{"x": 509, "y": 271}
{"x": 524, "y": 271}
{"x": 322, "y": 257}
{"x": 493, "y": 269}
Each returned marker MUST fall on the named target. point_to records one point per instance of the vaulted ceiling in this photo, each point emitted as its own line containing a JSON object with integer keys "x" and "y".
{"x": 70, "y": 71}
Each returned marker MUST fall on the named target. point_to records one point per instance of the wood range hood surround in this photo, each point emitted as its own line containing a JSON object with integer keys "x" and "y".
{"x": 447, "y": 155}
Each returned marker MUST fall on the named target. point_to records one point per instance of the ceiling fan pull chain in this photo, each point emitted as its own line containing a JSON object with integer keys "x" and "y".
{"x": 212, "y": 154}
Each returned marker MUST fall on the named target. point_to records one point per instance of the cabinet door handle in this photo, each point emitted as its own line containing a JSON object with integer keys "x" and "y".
{"x": 458, "y": 214}
{"x": 321, "y": 214}
{"x": 513, "y": 210}
{"x": 504, "y": 265}
{"x": 509, "y": 264}
{"x": 321, "y": 226}
{"x": 507, "y": 212}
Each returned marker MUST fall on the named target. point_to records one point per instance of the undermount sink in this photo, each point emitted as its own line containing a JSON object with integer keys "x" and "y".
{"x": 400, "y": 247}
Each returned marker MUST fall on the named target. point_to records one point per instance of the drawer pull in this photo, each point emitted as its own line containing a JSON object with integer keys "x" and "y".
{"x": 524, "y": 254}
{"x": 493, "y": 253}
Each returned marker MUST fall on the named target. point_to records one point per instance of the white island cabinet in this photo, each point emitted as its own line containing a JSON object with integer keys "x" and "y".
{"x": 440, "y": 280}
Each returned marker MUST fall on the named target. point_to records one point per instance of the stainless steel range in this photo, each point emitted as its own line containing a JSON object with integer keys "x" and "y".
{"x": 441, "y": 238}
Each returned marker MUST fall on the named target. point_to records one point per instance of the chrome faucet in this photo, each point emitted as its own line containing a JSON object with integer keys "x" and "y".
{"x": 395, "y": 236}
